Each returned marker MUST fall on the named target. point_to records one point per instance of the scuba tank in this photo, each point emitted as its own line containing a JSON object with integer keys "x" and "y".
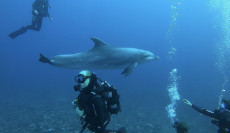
{"x": 109, "y": 93}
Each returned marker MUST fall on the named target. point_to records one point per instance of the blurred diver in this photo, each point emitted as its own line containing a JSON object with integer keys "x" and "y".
{"x": 181, "y": 127}
{"x": 95, "y": 103}
{"x": 40, "y": 10}
{"x": 220, "y": 117}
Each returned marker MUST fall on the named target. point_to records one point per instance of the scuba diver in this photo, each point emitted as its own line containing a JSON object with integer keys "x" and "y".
{"x": 95, "y": 103}
{"x": 220, "y": 117}
{"x": 181, "y": 127}
{"x": 40, "y": 10}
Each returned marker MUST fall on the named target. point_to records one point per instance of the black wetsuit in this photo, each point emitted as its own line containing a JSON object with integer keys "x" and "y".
{"x": 96, "y": 114}
{"x": 221, "y": 118}
{"x": 41, "y": 6}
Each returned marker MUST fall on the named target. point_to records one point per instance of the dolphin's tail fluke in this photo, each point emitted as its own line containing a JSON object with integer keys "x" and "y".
{"x": 44, "y": 59}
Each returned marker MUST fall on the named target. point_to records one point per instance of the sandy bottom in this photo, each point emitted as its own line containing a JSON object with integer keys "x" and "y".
{"x": 40, "y": 113}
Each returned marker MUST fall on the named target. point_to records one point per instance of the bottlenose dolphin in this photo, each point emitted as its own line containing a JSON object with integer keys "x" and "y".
{"x": 102, "y": 57}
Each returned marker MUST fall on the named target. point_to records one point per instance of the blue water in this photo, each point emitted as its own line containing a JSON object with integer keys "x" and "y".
{"x": 36, "y": 97}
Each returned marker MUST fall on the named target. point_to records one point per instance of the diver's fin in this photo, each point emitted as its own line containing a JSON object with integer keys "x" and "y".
{"x": 13, "y": 35}
{"x": 18, "y": 32}
{"x": 44, "y": 59}
{"x": 129, "y": 69}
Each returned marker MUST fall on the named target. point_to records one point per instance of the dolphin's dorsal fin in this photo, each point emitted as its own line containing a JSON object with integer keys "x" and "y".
{"x": 98, "y": 43}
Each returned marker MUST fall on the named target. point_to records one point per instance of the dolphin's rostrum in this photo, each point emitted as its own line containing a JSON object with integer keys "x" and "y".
{"x": 102, "y": 57}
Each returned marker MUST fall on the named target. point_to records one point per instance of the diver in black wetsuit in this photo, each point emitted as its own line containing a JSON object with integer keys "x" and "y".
{"x": 40, "y": 10}
{"x": 95, "y": 103}
{"x": 220, "y": 117}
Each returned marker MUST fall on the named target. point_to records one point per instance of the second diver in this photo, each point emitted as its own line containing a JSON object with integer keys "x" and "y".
{"x": 40, "y": 10}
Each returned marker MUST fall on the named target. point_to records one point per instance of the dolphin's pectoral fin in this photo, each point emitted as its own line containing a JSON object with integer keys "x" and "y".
{"x": 129, "y": 69}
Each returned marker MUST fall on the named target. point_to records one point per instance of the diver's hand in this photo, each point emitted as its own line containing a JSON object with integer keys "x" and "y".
{"x": 79, "y": 112}
{"x": 74, "y": 103}
{"x": 187, "y": 102}
{"x": 35, "y": 12}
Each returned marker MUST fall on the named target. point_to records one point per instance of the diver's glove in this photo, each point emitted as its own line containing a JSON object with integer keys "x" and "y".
{"x": 74, "y": 103}
{"x": 187, "y": 102}
{"x": 35, "y": 12}
{"x": 80, "y": 112}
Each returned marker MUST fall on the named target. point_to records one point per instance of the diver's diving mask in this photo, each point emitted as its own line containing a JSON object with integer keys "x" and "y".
{"x": 80, "y": 78}
{"x": 83, "y": 82}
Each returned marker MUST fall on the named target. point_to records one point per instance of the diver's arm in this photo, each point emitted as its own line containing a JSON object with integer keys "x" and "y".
{"x": 34, "y": 5}
{"x": 204, "y": 111}
{"x": 34, "y": 11}
{"x": 199, "y": 109}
